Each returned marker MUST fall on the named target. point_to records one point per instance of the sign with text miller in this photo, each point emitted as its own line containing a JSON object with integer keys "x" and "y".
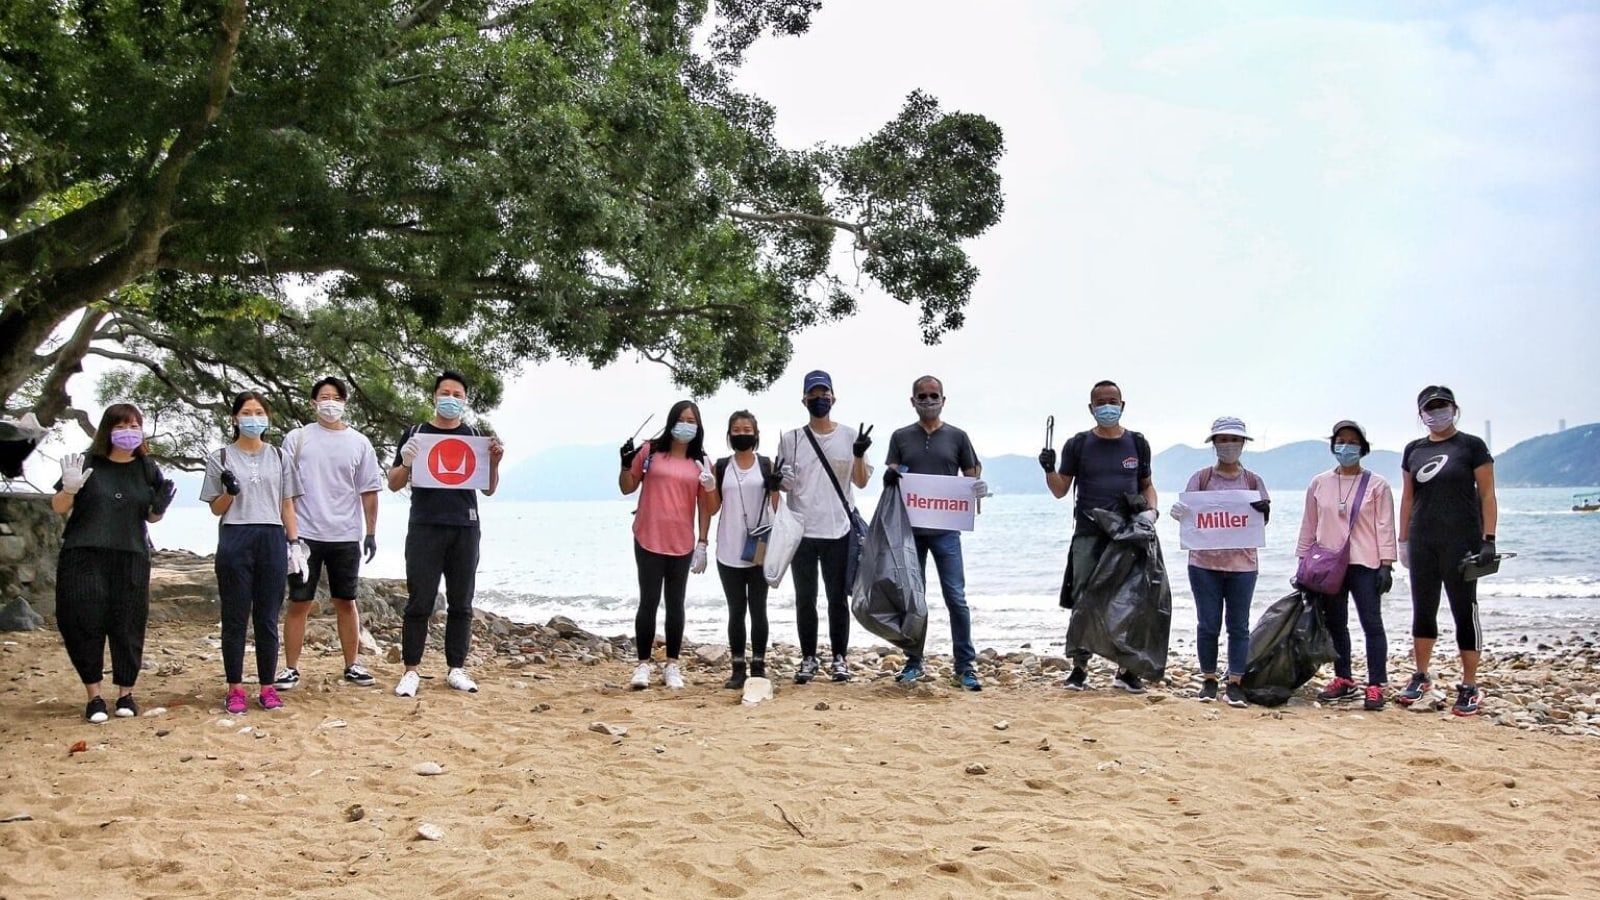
{"x": 939, "y": 501}
{"x": 451, "y": 462}
{"x": 1221, "y": 520}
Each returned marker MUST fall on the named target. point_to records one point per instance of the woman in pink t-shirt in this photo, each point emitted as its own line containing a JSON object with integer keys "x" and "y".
{"x": 674, "y": 481}
{"x": 1329, "y": 502}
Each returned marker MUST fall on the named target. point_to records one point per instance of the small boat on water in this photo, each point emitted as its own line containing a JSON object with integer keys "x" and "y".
{"x": 1586, "y": 502}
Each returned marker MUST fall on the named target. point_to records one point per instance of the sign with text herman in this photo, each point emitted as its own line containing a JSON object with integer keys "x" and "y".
{"x": 451, "y": 461}
{"x": 939, "y": 501}
{"x": 1221, "y": 520}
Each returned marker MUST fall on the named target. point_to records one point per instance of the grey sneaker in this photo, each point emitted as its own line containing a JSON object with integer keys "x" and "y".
{"x": 807, "y": 671}
{"x": 841, "y": 669}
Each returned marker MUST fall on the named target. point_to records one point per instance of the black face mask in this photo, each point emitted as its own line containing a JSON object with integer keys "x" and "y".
{"x": 742, "y": 442}
{"x": 819, "y": 406}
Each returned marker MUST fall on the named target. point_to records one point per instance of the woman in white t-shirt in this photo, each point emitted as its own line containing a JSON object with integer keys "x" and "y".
{"x": 746, "y": 505}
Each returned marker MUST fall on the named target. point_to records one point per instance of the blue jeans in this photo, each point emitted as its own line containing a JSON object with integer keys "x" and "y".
{"x": 946, "y": 549}
{"x": 1218, "y": 597}
{"x": 1360, "y": 585}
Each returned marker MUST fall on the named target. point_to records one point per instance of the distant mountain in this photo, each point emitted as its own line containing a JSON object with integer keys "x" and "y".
{"x": 1568, "y": 458}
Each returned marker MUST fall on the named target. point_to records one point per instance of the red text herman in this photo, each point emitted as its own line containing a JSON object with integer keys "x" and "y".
{"x": 941, "y": 504}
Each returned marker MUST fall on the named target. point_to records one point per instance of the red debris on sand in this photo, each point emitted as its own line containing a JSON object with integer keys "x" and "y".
{"x": 79, "y": 747}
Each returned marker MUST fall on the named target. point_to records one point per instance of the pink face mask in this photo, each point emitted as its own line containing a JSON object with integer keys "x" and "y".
{"x": 127, "y": 439}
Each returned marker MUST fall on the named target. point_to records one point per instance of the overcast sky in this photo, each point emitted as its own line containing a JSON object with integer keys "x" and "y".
{"x": 1290, "y": 212}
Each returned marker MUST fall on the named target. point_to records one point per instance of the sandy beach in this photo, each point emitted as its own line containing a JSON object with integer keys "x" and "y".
{"x": 827, "y": 790}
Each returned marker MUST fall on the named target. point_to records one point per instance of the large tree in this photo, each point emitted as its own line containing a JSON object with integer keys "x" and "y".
{"x": 248, "y": 193}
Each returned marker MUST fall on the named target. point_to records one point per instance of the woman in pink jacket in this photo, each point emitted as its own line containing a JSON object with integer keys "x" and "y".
{"x": 1329, "y": 503}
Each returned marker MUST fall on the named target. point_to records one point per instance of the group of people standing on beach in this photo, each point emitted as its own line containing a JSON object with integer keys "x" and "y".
{"x": 287, "y": 512}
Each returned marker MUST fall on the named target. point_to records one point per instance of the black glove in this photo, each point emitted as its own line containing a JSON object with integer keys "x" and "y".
{"x": 165, "y": 490}
{"x": 863, "y": 440}
{"x": 370, "y": 545}
{"x": 1385, "y": 579}
{"x": 891, "y": 476}
{"x": 1265, "y": 508}
{"x": 774, "y": 481}
{"x": 1047, "y": 459}
{"x": 230, "y": 482}
{"x": 1485, "y": 553}
{"x": 628, "y": 451}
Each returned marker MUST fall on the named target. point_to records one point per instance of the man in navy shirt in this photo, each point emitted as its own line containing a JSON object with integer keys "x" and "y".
{"x": 1107, "y": 463}
{"x": 931, "y": 447}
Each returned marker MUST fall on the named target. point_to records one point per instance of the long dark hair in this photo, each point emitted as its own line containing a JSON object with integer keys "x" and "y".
{"x": 243, "y": 397}
{"x": 750, "y": 417}
{"x": 115, "y": 414}
{"x": 697, "y": 447}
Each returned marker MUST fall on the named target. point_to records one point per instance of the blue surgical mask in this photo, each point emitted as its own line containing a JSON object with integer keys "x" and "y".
{"x": 1347, "y": 454}
{"x": 255, "y": 426}
{"x": 819, "y": 407}
{"x": 684, "y": 432}
{"x": 449, "y": 407}
{"x": 1107, "y": 415}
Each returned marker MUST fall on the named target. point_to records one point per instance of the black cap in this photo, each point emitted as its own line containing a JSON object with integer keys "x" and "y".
{"x": 1333, "y": 435}
{"x": 1436, "y": 392}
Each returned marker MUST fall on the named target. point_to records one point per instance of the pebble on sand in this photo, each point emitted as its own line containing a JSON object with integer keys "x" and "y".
{"x": 430, "y": 832}
{"x": 428, "y": 768}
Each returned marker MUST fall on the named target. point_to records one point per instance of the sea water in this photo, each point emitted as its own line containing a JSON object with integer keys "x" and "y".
{"x": 575, "y": 559}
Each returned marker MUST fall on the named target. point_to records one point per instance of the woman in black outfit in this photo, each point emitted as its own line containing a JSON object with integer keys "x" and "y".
{"x": 103, "y": 576}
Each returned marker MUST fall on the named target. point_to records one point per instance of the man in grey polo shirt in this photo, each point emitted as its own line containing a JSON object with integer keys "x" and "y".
{"x": 931, "y": 447}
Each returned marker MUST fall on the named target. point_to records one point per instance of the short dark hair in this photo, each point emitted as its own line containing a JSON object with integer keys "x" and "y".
{"x": 115, "y": 414}
{"x": 334, "y": 383}
{"x": 452, "y": 375}
{"x": 1105, "y": 383}
{"x": 748, "y": 416}
{"x": 932, "y": 378}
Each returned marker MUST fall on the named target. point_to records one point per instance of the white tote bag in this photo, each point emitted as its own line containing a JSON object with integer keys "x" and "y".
{"x": 787, "y": 529}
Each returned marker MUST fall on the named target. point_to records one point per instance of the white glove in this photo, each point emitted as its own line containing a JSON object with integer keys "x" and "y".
{"x": 73, "y": 474}
{"x": 787, "y": 471}
{"x": 980, "y": 489}
{"x": 408, "y": 452}
{"x": 708, "y": 479}
{"x": 698, "y": 565}
{"x": 299, "y": 559}
{"x": 1405, "y": 555}
{"x": 1179, "y": 511}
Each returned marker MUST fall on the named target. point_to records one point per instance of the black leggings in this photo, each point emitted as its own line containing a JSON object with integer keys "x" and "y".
{"x": 103, "y": 596}
{"x": 1436, "y": 563}
{"x": 657, "y": 573}
{"x": 745, "y": 588}
{"x": 252, "y": 574}
{"x": 832, "y": 556}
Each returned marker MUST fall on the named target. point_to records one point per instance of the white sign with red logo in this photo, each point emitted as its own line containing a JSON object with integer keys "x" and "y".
{"x": 939, "y": 501}
{"x": 1221, "y": 520}
{"x": 449, "y": 461}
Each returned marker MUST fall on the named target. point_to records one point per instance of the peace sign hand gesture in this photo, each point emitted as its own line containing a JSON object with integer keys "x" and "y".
{"x": 863, "y": 440}
{"x": 708, "y": 480}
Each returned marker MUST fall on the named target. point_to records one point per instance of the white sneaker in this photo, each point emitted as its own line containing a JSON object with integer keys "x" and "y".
{"x": 461, "y": 681}
{"x": 409, "y": 682}
{"x": 671, "y": 677}
{"x": 641, "y": 677}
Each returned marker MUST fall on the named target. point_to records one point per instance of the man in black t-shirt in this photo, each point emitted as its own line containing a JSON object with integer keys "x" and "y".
{"x": 441, "y": 542}
{"x": 1448, "y": 514}
{"x": 1108, "y": 463}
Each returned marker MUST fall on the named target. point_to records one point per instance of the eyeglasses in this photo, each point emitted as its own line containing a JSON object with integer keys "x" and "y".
{"x": 927, "y": 396}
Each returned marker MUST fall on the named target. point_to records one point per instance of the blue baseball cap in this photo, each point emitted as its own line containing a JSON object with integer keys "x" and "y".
{"x": 817, "y": 378}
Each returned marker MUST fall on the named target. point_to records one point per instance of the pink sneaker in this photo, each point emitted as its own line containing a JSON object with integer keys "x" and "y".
{"x": 269, "y": 698}
{"x": 238, "y": 701}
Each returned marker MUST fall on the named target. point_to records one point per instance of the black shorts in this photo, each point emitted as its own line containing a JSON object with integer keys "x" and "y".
{"x": 343, "y": 559}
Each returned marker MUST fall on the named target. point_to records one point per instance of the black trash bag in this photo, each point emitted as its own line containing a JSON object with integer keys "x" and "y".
{"x": 890, "y": 598}
{"x": 1124, "y": 612}
{"x": 1288, "y": 645}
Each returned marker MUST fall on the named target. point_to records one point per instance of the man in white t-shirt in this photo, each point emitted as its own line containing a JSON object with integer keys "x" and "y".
{"x": 339, "y": 472}
{"x": 814, "y": 496}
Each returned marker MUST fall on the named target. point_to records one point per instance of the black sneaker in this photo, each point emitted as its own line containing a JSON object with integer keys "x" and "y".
{"x": 357, "y": 674}
{"x": 1466, "y": 700}
{"x": 1419, "y": 685}
{"x": 95, "y": 712}
{"x": 126, "y": 707}
{"x": 1236, "y": 697}
{"x": 841, "y": 668}
{"x": 807, "y": 671}
{"x": 288, "y": 679}
{"x": 1208, "y": 690}
{"x": 1129, "y": 682}
{"x": 1078, "y": 680}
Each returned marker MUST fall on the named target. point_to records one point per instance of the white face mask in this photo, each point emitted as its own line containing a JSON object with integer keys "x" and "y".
{"x": 1228, "y": 454}
{"x": 330, "y": 411}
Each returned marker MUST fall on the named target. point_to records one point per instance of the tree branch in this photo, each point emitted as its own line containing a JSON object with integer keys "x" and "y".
{"x": 859, "y": 229}
{"x": 67, "y": 361}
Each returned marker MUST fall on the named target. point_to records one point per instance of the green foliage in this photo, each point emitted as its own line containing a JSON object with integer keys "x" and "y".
{"x": 467, "y": 183}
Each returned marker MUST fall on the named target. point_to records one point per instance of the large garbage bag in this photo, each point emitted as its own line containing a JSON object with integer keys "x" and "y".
{"x": 1288, "y": 645}
{"x": 1124, "y": 612}
{"x": 890, "y": 598}
{"x": 782, "y": 542}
